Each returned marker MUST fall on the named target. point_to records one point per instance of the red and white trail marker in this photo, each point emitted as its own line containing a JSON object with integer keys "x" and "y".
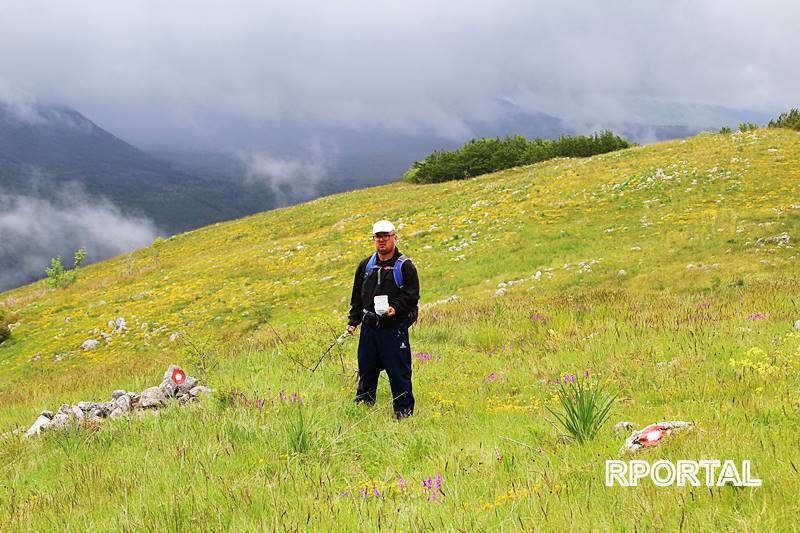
{"x": 652, "y": 435}
{"x": 178, "y": 376}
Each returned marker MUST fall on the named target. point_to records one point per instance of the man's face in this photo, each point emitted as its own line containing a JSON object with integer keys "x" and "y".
{"x": 384, "y": 242}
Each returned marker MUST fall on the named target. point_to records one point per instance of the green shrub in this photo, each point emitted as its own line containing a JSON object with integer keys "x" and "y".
{"x": 6, "y": 319}
{"x": 57, "y": 276}
{"x": 725, "y": 130}
{"x": 790, "y": 119}
{"x": 55, "y": 272}
{"x": 748, "y": 126}
{"x": 584, "y": 407}
{"x": 481, "y": 156}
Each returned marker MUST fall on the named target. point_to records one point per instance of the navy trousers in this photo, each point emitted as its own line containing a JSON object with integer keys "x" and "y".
{"x": 385, "y": 349}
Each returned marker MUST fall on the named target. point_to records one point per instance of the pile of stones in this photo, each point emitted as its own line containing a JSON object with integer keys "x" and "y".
{"x": 175, "y": 386}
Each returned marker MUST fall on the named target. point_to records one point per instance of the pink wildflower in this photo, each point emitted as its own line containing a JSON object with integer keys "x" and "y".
{"x": 422, "y": 356}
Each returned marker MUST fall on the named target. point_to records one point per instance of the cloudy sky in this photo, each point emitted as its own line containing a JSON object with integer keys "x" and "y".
{"x": 196, "y": 73}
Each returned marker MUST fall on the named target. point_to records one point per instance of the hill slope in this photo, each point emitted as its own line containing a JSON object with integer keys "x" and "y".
{"x": 664, "y": 270}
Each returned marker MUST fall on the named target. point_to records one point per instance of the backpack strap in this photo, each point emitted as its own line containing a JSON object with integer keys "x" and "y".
{"x": 398, "y": 268}
{"x": 398, "y": 271}
{"x": 371, "y": 264}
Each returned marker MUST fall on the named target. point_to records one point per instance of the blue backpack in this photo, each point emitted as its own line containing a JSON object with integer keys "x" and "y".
{"x": 398, "y": 268}
{"x": 372, "y": 266}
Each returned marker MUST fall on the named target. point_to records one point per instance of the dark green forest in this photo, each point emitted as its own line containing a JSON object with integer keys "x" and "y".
{"x": 482, "y": 156}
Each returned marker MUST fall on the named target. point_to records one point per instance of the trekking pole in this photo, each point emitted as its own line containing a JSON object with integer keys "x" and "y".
{"x": 340, "y": 340}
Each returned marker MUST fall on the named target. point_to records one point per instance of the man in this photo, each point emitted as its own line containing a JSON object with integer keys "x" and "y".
{"x": 386, "y": 276}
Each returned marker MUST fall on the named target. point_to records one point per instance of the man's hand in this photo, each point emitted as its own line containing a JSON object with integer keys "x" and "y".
{"x": 351, "y": 329}
{"x": 391, "y": 311}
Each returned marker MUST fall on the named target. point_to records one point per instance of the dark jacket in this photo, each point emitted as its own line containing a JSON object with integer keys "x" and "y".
{"x": 403, "y": 300}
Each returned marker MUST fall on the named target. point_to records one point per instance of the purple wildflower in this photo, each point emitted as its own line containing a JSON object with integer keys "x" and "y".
{"x": 549, "y": 382}
{"x": 344, "y": 493}
{"x": 536, "y": 317}
{"x": 491, "y": 377}
{"x": 260, "y": 403}
{"x": 572, "y": 378}
{"x": 586, "y": 373}
{"x": 422, "y": 356}
{"x": 756, "y": 316}
{"x": 433, "y": 486}
{"x": 282, "y": 395}
{"x": 376, "y": 492}
{"x": 401, "y": 482}
{"x": 363, "y": 492}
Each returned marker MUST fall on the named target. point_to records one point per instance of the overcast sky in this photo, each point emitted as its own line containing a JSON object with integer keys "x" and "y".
{"x": 200, "y": 73}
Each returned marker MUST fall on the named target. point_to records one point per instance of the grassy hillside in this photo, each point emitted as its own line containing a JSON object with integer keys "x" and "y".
{"x": 653, "y": 268}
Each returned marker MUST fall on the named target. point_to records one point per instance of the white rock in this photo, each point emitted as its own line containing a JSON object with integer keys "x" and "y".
{"x": 40, "y": 425}
{"x": 90, "y": 344}
{"x": 60, "y": 421}
{"x": 119, "y": 325}
{"x": 622, "y": 273}
{"x": 190, "y": 383}
{"x": 152, "y": 397}
{"x": 200, "y": 390}
{"x": 122, "y": 403}
{"x": 117, "y": 393}
{"x": 87, "y": 406}
{"x": 797, "y": 325}
{"x": 168, "y": 388}
{"x": 135, "y": 397}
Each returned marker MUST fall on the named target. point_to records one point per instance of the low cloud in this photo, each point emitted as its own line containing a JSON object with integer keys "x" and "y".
{"x": 289, "y": 178}
{"x": 34, "y": 229}
{"x": 155, "y": 72}
{"x": 36, "y": 115}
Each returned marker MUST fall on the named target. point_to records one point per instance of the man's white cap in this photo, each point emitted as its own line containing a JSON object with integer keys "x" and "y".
{"x": 383, "y": 226}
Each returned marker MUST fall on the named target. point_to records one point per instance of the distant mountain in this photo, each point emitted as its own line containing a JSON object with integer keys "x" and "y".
{"x": 65, "y": 182}
{"x": 59, "y": 145}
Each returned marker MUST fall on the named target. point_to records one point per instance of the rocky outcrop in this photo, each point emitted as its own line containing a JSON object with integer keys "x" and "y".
{"x": 175, "y": 385}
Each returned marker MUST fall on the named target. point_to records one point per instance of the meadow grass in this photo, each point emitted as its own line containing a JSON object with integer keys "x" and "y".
{"x": 699, "y": 327}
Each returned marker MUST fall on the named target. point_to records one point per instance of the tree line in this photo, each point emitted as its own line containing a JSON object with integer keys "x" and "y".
{"x": 481, "y": 156}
